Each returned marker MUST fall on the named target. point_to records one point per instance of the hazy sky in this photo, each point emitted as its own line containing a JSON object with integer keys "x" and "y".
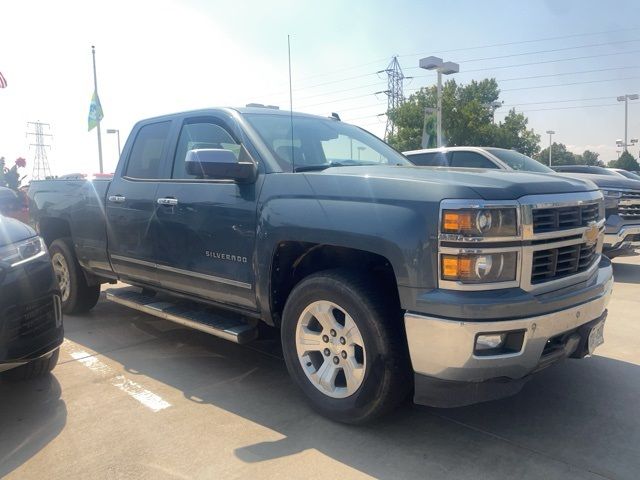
{"x": 161, "y": 56}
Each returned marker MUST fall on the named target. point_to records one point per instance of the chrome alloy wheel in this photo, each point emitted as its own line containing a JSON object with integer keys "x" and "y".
{"x": 61, "y": 270}
{"x": 330, "y": 349}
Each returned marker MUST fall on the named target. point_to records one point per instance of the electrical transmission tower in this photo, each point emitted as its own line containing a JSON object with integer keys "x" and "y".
{"x": 394, "y": 91}
{"x": 41, "y": 168}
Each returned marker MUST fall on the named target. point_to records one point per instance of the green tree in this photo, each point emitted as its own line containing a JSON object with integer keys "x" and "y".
{"x": 559, "y": 155}
{"x": 467, "y": 119}
{"x": 626, "y": 162}
{"x": 591, "y": 158}
{"x": 512, "y": 133}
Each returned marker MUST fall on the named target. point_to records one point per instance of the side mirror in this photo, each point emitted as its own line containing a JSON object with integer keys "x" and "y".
{"x": 221, "y": 164}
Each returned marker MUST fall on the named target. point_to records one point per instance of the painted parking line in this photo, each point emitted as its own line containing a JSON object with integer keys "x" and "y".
{"x": 152, "y": 401}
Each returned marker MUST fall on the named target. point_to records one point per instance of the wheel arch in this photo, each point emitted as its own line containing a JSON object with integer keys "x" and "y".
{"x": 52, "y": 229}
{"x": 292, "y": 261}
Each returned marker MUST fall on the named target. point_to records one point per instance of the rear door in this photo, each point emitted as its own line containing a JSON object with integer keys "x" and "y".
{"x": 207, "y": 228}
{"x": 131, "y": 203}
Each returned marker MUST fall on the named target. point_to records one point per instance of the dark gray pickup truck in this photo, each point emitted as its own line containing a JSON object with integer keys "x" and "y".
{"x": 622, "y": 206}
{"x": 383, "y": 277}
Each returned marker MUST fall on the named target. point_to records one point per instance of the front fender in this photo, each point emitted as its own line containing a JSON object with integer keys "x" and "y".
{"x": 361, "y": 217}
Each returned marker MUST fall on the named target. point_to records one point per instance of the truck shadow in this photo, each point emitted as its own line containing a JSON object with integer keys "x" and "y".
{"x": 573, "y": 418}
{"x": 32, "y": 414}
{"x": 626, "y": 272}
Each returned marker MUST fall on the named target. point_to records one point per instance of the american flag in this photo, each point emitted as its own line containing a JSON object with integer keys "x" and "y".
{"x": 3, "y": 81}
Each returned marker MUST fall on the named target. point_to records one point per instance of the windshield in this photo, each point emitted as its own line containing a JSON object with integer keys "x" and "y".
{"x": 518, "y": 161}
{"x": 318, "y": 142}
{"x": 603, "y": 171}
{"x": 588, "y": 169}
{"x": 630, "y": 175}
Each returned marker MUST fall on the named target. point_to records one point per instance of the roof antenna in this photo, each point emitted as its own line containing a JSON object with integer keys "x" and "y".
{"x": 293, "y": 161}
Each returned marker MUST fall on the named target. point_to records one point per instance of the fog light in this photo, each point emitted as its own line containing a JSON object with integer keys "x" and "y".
{"x": 504, "y": 343}
{"x": 490, "y": 342}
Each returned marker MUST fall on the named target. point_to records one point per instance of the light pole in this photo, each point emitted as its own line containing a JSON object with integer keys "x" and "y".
{"x": 446, "y": 68}
{"x": 117, "y": 132}
{"x": 625, "y": 98}
{"x": 550, "y": 132}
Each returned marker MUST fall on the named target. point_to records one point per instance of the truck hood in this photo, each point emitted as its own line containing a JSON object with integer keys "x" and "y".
{"x": 605, "y": 181}
{"x": 489, "y": 184}
{"x": 12, "y": 231}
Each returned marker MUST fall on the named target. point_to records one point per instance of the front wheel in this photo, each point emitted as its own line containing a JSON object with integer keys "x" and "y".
{"x": 344, "y": 346}
{"x": 76, "y": 294}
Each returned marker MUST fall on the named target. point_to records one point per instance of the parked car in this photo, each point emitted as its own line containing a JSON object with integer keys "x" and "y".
{"x": 30, "y": 308}
{"x": 383, "y": 278}
{"x": 625, "y": 173}
{"x": 590, "y": 169}
{"x": 622, "y": 195}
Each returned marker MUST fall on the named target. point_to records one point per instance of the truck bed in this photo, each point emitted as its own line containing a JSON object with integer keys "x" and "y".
{"x": 75, "y": 209}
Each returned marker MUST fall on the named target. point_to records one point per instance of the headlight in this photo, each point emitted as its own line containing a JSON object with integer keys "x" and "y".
{"x": 480, "y": 268}
{"x": 611, "y": 193}
{"x": 22, "y": 252}
{"x": 611, "y": 200}
{"x": 483, "y": 222}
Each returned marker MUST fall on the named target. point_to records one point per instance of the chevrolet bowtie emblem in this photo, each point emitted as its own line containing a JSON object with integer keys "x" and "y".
{"x": 591, "y": 234}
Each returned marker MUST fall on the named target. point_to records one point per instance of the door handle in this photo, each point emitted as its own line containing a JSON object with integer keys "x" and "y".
{"x": 117, "y": 198}
{"x": 167, "y": 201}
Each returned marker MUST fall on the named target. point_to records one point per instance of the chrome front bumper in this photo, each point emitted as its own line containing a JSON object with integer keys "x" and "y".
{"x": 444, "y": 349}
{"x": 617, "y": 239}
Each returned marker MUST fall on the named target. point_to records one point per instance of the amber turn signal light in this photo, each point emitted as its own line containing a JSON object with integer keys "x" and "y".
{"x": 455, "y": 222}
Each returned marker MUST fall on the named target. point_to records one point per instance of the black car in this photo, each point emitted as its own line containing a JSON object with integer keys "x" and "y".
{"x": 30, "y": 309}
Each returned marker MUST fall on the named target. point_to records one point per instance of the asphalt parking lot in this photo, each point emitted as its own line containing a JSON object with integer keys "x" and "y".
{"x": 138, "y": 397}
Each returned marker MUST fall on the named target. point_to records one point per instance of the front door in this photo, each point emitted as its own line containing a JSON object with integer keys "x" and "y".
{"x": 131, "y": 204}
{"x": 207, "y": 228}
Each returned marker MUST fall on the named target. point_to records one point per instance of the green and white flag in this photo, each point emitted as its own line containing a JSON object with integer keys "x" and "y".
{"x": 95, "y": 111}
{"x": 429, "y": 129}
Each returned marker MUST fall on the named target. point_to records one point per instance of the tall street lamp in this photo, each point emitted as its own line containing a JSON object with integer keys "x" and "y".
{"x": 625, "y": 99}
{"x": 550, "y": 132}
{"x": 446, "y": 68}
{"x": 117, "y": 132}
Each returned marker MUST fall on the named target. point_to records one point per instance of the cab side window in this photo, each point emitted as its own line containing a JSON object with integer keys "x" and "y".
{"x": 431, "y": 159}
{"x": 471, "y": 160}
{"x": 206, "y": 134}
{"x": 145, "y": 160}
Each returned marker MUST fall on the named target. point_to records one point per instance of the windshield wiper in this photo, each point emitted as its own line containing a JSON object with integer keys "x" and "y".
{"x": 324, "y": 166}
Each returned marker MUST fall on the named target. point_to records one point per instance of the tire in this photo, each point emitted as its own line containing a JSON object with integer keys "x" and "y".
{"x": 77, "y": 296}
{"x": 33, "y": 369}
{"x": 380, "y": 375}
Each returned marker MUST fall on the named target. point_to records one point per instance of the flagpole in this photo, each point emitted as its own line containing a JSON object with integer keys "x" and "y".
{"x": 95, "y": 86}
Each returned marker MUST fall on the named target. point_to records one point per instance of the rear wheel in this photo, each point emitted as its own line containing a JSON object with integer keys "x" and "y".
{"x": 344, "y": 346}
{"x": 76, "y": 294}
{"x": 34, "y": 368}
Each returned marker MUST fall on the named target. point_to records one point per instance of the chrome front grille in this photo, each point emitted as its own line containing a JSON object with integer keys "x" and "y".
{"x": 629, "y": 206}
{"x": 562, "y": 218}
{"x": 555, "y": 263}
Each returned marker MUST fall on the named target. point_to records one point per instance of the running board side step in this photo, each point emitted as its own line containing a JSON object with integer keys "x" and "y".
{"x": 230, "y": 326}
